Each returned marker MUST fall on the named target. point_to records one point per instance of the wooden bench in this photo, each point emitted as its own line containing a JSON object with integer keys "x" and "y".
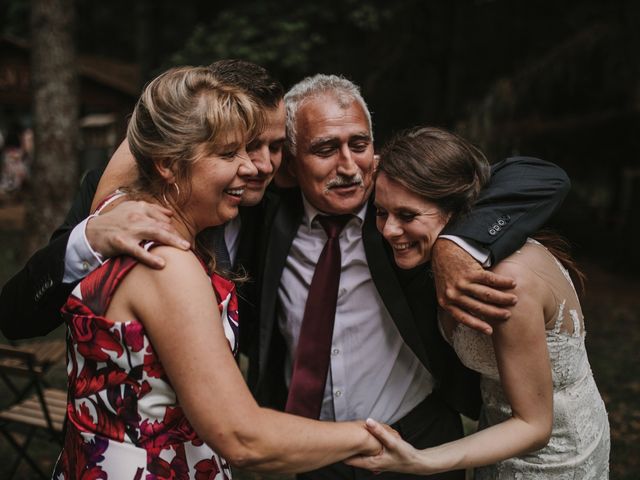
{"x": 41, "y": 412}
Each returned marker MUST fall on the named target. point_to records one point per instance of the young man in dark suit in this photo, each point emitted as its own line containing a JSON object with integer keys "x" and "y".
{"x": 384, "y": 355}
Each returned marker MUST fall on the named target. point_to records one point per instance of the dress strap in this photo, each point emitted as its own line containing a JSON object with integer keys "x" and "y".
{"x": 109, "y": 199}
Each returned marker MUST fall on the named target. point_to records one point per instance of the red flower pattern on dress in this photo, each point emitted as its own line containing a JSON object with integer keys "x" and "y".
{"x": 207, "y": 469}
{"x": 95, "y": 338}
{"x": 133, "y": 334}
{"x": 91, "y": 381}
{"x": 83, "y": 458}
{"x": 119, "y": 392}
{"x": 152, "y": 366}
{"x": 176, "y": 469}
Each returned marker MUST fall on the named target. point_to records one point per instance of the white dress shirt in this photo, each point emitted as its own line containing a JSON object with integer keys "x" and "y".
{"x": 372, "y": 373}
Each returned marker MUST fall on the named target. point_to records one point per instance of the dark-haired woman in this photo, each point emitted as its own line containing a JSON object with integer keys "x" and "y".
{"x": 543, "y": 415}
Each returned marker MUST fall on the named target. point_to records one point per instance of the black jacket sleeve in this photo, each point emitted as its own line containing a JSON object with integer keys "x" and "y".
{"x": 521, "y": 196}
{"x": 30, "y": 301}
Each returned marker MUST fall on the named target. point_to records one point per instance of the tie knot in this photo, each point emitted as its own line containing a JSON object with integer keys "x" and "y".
{"x": 333, "y": 224}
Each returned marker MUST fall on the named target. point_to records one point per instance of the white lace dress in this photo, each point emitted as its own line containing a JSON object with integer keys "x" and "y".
{"x": 579, "y": 444}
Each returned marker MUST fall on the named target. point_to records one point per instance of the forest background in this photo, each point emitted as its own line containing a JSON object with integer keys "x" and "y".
{"x": 559, "y": 80}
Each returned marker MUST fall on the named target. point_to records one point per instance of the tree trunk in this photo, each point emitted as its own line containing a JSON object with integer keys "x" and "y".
{"x": 55, "y": 111}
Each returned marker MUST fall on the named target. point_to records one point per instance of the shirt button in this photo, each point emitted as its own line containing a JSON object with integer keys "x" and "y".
{"x": 338, "y": 393}
{"x": 85, "y": 266}
{"x": 335, "y": 351}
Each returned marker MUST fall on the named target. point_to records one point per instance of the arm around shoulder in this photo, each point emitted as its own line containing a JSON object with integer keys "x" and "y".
{"x": 521, "y": 196}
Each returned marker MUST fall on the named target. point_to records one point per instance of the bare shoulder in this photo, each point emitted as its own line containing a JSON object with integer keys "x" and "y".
{"x": 523, "y": 266}
{"x": 183, "y": 276}
{"x": 182, "y": 264}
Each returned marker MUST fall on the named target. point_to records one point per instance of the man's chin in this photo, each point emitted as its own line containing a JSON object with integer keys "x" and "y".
{"x": 251, "y": 197}
{"x": 343, "y": 204}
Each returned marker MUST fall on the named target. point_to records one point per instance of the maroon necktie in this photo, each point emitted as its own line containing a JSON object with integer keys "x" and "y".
{"x": 311, "y": 363}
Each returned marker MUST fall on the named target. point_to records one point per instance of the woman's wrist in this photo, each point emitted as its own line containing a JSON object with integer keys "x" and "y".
{"x": 433, "y": 460}
{"x": 370, "y": 445}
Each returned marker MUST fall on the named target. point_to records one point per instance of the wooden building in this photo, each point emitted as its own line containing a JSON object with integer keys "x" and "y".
{"x": 108, "y": 90}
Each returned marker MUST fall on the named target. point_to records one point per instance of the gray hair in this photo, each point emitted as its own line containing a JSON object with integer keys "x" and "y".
{"x": 343, "y": 90}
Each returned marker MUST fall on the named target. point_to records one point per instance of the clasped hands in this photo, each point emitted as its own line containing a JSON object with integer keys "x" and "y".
{"x": 395, "y": 455}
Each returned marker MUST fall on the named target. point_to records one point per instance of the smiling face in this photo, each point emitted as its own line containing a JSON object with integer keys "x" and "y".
{"x": 334, "y": 164}
{"x": 266, "y": 154}
{"x": 218, "y": 181}
{"x": 407, "y": 221}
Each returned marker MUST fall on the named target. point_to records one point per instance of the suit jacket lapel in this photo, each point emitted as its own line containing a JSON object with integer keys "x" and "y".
{"x": 386, "y": 281}
{"x": 281, "y": 224}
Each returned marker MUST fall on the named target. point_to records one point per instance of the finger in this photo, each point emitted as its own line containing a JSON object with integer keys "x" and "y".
{"x": 385, "y": 437}
{"x": 494, "y": 280}
{"x": 160, "y": 234}
{"x": 158, "y": 212}
{"x": 145, "y": 257}
{"x": 482, "y": 310}
{"x": 490, "y": 295}
{"x": 164, "y": 210}
{"x": 469, "y": 320}
{"x": 361, "y": 461}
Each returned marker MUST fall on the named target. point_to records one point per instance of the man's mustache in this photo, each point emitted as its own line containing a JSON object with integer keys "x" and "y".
{"x": 344, "y": 181}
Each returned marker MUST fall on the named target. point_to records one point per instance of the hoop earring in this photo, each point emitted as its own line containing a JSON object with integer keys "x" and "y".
{"x": 177, "y": 193}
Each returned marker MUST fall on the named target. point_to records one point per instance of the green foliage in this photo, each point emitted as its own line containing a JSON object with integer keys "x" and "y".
{"x": 289, "y": 36}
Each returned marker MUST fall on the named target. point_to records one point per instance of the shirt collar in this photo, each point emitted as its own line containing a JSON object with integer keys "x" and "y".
{"x": 310, "y": 212}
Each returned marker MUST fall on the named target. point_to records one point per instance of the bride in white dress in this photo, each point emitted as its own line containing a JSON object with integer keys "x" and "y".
{"x": 543, "y": 416}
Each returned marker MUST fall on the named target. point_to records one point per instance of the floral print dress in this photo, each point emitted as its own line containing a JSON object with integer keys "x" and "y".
{"x": 124, "y": 421}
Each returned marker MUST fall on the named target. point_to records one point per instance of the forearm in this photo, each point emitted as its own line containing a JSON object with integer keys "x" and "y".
{"x": 511, "y": 438}
{"x": 276, "y": 442}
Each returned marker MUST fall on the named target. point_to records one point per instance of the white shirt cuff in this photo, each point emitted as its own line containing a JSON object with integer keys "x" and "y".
{"x": 80, "y": 259}
{"x": 473, "y": 248}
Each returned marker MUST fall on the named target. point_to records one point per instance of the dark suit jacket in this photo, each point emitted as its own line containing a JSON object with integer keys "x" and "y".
{"x": 30, "y": 301}
{"x": 522, "y": 194}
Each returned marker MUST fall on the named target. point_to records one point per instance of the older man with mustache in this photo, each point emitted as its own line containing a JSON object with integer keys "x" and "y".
{"x": 343, "y": 333}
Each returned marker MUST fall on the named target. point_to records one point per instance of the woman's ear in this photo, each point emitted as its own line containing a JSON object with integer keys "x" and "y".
{"x": 163, "y": 167}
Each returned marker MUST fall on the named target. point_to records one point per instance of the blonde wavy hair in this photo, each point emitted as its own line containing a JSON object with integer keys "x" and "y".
{"x": 182, "y": 115}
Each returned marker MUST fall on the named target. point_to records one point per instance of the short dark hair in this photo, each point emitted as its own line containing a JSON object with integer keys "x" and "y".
{"x": 254, "y": 79}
